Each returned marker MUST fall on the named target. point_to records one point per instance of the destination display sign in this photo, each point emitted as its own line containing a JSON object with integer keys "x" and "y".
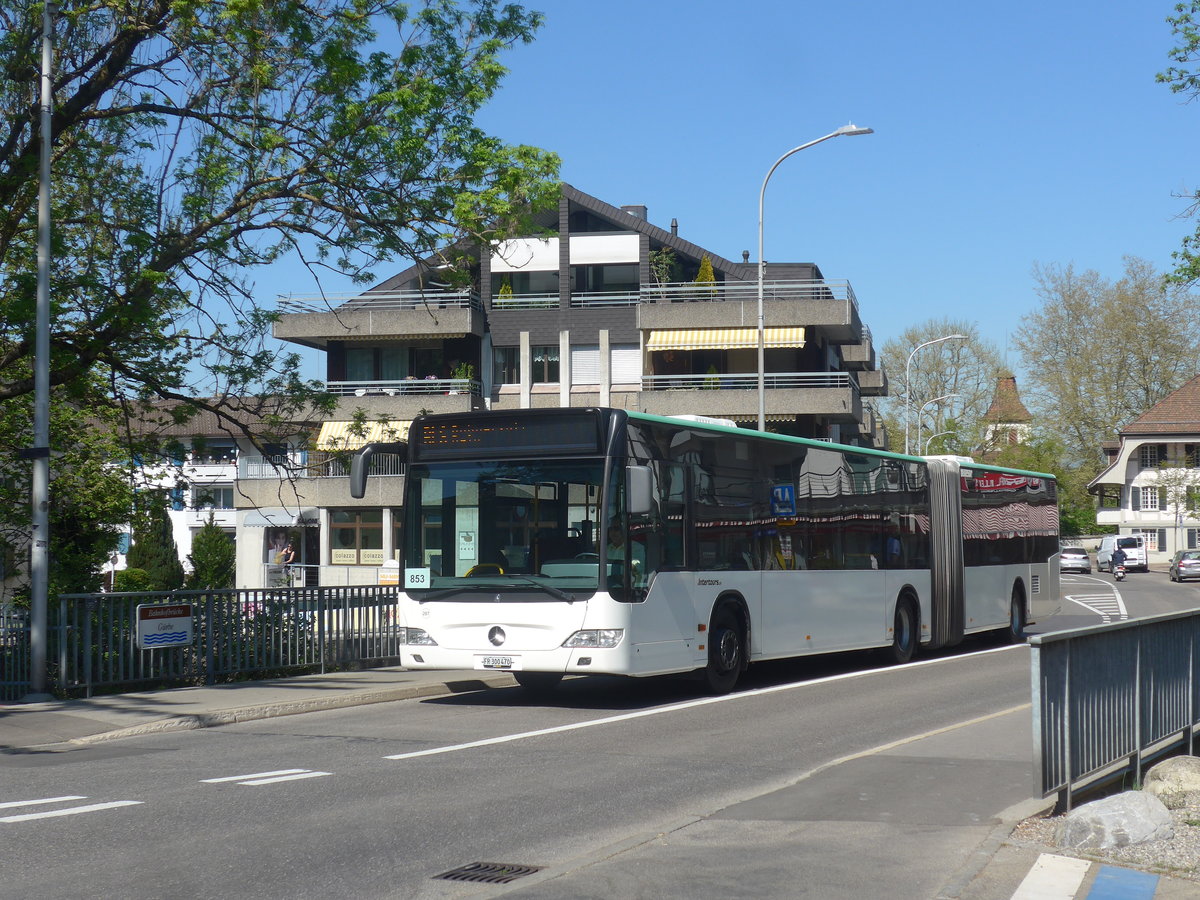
{"x": 456, "y": 437}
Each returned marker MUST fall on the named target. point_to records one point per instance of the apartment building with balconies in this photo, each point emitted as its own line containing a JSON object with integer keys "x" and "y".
{"x": 600, "y": 308}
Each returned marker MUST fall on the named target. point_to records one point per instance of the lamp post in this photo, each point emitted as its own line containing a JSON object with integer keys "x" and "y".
{"x": 762, "y": 397}
{"x": 922, "y": 410}
{"x": 907, "y": 396}
{"x": 938, "y": 435}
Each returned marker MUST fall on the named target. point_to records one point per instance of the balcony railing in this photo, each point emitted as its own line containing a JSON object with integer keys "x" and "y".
{"x": 404, "y": 387}
{"x": 748, "y": 381}
{"x": 381, "y": 301}
{"x": 592, "y": 299}
{"x": 526, "y": 301}
{"x": 316, "y": 464}
{"x": 747, "y": 292}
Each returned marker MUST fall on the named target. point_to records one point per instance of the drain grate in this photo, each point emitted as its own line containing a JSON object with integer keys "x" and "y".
{"x": 488, "y": 873}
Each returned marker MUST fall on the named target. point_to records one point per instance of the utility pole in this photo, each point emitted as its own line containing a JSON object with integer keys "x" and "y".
{"x": 39, "y": 453}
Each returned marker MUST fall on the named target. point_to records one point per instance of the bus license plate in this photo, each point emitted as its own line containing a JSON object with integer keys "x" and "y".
{"x": 497, "y": 662}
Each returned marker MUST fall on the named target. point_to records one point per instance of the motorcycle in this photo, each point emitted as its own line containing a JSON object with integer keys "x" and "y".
{"x": 1118, "y": 573}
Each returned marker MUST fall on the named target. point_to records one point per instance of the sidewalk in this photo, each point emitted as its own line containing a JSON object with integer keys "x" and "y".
{"x": 125, "y": 715}
{"x": 921, "y": 819}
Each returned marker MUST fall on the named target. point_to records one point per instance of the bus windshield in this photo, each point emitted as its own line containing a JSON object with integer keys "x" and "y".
{"x": 523, "y": 524}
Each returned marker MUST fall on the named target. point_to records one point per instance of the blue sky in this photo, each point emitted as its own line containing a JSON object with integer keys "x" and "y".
{"x": 1005, "y": 135}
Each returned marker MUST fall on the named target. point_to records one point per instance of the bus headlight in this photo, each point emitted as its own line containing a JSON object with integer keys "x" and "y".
{"x": 600, "y": 638}
{"x": 419, "y": 636}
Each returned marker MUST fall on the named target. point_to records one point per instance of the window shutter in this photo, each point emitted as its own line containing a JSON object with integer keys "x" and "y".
{"x": 585, "y": 364}
{"x": 1135, "y": 498}
{"x": 1162, "y": 498}
{"x": 1162, "y": 539}
{"x": 626, "y": 364}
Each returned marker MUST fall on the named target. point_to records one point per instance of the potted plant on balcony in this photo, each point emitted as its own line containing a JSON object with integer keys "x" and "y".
{"x": 463, "y": 372}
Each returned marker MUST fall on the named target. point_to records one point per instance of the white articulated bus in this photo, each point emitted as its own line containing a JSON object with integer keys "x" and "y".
{"x": 546, "y": 542}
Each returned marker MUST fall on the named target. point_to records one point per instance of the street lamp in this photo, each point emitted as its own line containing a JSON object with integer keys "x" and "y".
{"x": 762, "y": 397}
{"x": 921, "y": 411}
{"x": 932, "y": 436}
{"x": 907, "y": 397}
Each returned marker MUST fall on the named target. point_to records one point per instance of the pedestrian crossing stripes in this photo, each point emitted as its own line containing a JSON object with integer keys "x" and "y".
{"x": 267, "y": 777}
{"x": 56, "y": 813}
{"x": 1108, "y": 606}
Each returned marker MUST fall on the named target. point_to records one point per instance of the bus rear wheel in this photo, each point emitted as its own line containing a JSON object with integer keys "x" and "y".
{"x": 1016, "y": 617}
{"x": 726, "y": 652}
{"x": 904, "y": 632}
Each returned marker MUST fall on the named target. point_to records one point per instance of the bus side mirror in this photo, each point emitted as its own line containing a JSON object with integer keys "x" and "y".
{"x": 639, "y": 490}
{"x": 360, "y": 465}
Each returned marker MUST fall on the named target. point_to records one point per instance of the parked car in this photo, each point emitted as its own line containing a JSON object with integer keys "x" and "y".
{"x": 1074, "y": 559}
{"x": 1185, "y": 564}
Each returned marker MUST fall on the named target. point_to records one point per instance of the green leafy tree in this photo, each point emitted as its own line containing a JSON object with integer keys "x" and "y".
{"x": 194, "y": 140}
{"x": 1103, "y": 352}
{"x": 213, "y": 558}
{"x": 1184, "y": 78}
{"x": 154, "y": 550}
{"x": 706, "y": 276}
{"x": 91, "y": 498}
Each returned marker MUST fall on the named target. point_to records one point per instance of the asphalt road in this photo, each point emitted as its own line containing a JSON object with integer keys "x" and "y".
{"x": 377, "y": 801}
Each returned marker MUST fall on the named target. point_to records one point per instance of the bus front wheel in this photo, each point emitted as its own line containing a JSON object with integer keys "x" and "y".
{"x": 726, "y": 652}
{"x": 904, "y": 632}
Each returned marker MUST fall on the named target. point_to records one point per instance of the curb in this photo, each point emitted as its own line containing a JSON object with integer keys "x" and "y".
{"x": 982, "y": 855}
{"x": 294, "y": 707}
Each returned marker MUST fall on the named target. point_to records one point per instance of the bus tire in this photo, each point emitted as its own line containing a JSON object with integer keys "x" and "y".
{"x": 906, "y": 632}
{"x": 1016, "y": 615}
{"x": 726, "y": 651}
{"x": 538, "y": 682}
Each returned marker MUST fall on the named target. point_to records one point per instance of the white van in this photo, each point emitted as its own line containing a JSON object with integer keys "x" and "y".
{"x": 1134, "y": 546}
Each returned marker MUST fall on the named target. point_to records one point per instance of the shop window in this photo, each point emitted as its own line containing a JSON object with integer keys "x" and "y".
{"x": 356, "y": 537}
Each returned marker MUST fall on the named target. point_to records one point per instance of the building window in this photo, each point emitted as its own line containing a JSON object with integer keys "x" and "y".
{"x": 506, "y": 365}
{"x": 1148, "y": 456}
{"x": 356, "y": 537}
{"x": 1156, "y": 538}
{"x": 545, "y": 365}
{"x": 212, "y": 496}
{"x": 614, "y": 278}
{"x": 524, "y": 284}
{"x": 1151, "y": 498}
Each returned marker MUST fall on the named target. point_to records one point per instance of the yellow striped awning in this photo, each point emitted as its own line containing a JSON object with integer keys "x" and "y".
{"x": 344, "y": 435}
{"x": 724, "y": 338}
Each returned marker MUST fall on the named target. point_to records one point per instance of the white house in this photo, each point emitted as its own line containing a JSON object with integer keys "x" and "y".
{"x": 1152, "y": 481}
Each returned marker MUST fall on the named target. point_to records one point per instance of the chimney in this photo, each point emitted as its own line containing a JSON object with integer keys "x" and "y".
{"x": 675, "y": 227}
{"x": 745, "y": 257}
{"x": 637, "y": 211}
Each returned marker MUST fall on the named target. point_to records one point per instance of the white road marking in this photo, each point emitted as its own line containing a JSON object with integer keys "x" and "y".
{"x": 295, "y": 777}
{"x": 675, "y": 707}
{"x": 70, "y": 811}
{"x": 267, "y": 777}
{"x": 251, "y": 775}
{"x": 1053, "y": 878}
{"x": 1107, "y": 606}
{"x": 13, "y": 804}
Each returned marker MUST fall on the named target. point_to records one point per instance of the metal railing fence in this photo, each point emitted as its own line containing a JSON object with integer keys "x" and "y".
{"x": 1107, "y": 698}
{"x": 93, "y": 637}
{"x": 749, "y": 381}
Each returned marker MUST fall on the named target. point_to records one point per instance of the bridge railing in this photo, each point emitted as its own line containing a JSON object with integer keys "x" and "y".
{"x": 1108, "y": 698}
